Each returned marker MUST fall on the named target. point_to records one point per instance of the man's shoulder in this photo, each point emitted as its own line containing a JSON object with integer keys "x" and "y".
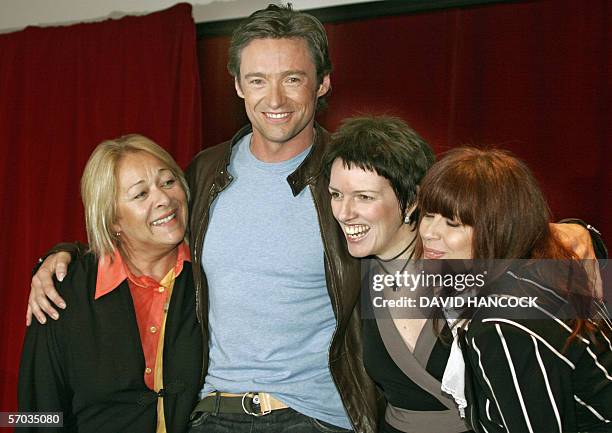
{"x": 212, "y": 154}
{"x": 207, "y": 162}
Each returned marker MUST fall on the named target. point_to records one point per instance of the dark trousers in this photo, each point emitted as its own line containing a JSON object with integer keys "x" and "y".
{"x": 277, "y": 421}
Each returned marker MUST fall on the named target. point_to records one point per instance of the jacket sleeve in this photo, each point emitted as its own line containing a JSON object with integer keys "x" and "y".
{"x": 518, "y": 378}
{"x": 76, "y": 250}
{"x": 42, "y": 380}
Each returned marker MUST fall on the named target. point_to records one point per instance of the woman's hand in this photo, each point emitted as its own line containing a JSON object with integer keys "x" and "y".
{"x": 576, "y": 238}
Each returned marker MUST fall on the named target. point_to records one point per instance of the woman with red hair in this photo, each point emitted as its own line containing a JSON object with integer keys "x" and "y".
{"x": 546, "y": 367}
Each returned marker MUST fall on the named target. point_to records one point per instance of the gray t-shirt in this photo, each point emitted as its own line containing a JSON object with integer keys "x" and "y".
{"x": 270, "y": 316}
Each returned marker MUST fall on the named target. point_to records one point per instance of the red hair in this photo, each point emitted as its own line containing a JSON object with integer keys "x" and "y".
{"x": 497, "y": 195}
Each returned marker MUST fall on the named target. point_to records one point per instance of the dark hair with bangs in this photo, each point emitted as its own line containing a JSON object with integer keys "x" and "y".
{"x": 386, "y": 146}
{"x": 497, "y": 195}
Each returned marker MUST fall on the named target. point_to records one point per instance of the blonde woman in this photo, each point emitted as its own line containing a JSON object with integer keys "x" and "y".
{"x": 126, "y": 353}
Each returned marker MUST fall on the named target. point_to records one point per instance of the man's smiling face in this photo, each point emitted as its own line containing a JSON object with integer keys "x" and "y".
{"x": 278, "y": 83}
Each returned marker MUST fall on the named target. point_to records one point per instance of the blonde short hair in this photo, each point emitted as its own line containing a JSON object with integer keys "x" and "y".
{"x": 99, "y": 186}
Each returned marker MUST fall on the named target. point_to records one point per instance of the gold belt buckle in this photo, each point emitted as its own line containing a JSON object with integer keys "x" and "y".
{"x": 256, "y": 400}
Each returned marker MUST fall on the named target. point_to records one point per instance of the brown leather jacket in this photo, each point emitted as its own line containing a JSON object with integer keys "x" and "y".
{"x": 207, "y": 177}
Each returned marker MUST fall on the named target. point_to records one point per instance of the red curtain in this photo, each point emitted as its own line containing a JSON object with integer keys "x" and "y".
{"x": 530, "y": 77}
{"x": 64, "y": 90}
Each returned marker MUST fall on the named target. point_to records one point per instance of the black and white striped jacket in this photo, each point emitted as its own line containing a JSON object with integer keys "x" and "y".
{"x": 522, "y": 378}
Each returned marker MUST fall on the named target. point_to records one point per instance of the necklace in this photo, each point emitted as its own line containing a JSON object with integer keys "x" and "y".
{"x": 381, "y": 261}
{"x": 400, "y": 253}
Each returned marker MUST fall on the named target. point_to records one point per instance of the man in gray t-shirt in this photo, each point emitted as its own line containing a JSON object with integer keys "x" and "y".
{"x": 276, "y": 288}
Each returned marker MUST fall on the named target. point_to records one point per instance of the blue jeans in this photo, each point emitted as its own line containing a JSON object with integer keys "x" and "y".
{"x": 277, "y": 421}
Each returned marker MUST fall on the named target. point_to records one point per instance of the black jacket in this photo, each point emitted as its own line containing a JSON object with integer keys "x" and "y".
{"x": 207, "y": 177}
{"x": 89, "y": 364}
{"x": 521, "y": 375}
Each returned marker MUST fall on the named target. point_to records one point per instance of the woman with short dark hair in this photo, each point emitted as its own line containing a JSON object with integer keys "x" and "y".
{"x": 374, "y": 168}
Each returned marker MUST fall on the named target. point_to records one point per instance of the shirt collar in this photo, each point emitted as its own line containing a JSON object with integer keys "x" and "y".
{"x": 111, "y": 273}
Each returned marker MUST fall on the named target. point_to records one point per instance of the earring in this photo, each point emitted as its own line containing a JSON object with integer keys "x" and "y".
{"x": 412, "y": 216}
{"x": 117, "y": 234}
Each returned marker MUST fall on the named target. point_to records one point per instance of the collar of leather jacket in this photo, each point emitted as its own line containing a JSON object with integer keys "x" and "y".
{"x": 308, "y": 170}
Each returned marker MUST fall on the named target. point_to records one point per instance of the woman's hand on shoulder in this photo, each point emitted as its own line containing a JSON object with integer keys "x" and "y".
{"x": 576, "y": 238}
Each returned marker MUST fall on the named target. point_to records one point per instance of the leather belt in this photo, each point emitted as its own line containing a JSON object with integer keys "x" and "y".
{"x": 251, "y": 403}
